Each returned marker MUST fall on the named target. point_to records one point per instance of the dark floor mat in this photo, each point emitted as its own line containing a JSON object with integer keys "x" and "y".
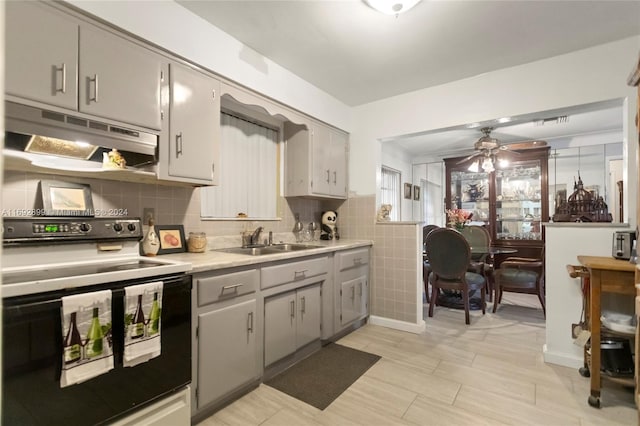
{"x": 323, "y": 376}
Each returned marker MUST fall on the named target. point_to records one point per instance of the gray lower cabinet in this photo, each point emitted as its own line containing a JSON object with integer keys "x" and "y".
{"x": 226, "y": 351}
{"x": 226, "y": 329}
{"x": 291, "y": 320}
{"x": 351, "y": 286}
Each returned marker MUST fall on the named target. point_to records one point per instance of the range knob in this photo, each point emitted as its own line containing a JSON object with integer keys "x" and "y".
{"x": 84, "y": 227}
{"x": 117, "y": 227}
{"x": 131, "y": 227}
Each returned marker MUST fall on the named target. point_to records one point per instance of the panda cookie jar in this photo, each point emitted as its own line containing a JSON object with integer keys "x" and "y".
{"x": 329, "y": 229}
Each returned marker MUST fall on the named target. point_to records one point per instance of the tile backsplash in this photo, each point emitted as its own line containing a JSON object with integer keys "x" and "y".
{"x": 393, "y": 266}
{"x": 172, "y": 204}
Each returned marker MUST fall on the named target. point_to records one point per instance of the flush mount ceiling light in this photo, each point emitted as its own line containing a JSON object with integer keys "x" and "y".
{"x": 392, "y": 7}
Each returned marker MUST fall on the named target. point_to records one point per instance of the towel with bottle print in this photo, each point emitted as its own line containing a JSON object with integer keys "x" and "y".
{"x": 142, "y": 322}
{"x": 86, "y": 337}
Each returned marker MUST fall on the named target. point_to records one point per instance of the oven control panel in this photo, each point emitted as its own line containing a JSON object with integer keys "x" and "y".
{"x": 47, "y": 229}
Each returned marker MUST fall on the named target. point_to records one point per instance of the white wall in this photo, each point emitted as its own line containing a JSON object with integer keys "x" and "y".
{"x": 401, "y": 162}
{"x": 584, "y": 76}
{"x": 171, "y": 26}
{"x": 564, "y": 299}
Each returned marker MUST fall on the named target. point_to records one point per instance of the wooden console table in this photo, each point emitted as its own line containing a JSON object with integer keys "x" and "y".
{"x": 611, "y": 276}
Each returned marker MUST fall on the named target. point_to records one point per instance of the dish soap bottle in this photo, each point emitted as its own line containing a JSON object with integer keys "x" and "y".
{"x": 150, "y": 242}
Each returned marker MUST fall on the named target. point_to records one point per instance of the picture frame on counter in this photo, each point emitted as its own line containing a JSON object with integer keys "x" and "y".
{"x": 59, "y": 198}
{"x": 171, "y": 238}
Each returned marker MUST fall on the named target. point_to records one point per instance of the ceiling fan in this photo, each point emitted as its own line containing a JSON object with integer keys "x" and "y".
{"x": 488, "y": 148}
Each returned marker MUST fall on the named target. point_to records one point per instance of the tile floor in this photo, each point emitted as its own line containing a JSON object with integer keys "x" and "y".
{"x": 489, "y": 373}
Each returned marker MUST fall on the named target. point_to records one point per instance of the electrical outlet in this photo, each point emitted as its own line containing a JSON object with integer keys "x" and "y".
{"x": 148, "y": 213}
{"x": 576, "y": 329}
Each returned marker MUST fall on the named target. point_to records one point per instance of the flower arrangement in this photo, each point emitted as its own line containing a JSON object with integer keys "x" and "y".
{"x": 457, "y": 218}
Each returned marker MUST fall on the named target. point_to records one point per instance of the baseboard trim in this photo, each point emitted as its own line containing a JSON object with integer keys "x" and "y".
{"x": 564, "y": 359}
{"x": 398, "y": 325}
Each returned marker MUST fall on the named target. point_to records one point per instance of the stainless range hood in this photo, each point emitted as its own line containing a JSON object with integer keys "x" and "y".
{"x": 27, "y": 120}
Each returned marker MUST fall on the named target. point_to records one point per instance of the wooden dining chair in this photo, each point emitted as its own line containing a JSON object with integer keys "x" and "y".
{"x": 426, "y": 266}
{"x": 449, "y": 255}
{"x": 479, "y": 238}
{"x": 520, "y": 275}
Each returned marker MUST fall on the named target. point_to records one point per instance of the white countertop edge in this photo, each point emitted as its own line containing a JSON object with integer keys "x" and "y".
{"x": 212, "y": 260}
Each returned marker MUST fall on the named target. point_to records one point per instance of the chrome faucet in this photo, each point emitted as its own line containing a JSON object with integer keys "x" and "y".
{"x": 255, "y": 237}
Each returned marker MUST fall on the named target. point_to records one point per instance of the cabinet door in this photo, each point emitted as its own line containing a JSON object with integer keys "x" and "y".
{"x": 279, "y": 327}
{"x": 41, "y": 54}
{"x": 119, "y": 79}
{"x": 321, "y": 160}
{"x": 309, "y": 306}
{"x": 352, "y": 298}
{"x": 194, "y": 128}
{"x": 227, "y": 354}
{"x": 338, "y": 163}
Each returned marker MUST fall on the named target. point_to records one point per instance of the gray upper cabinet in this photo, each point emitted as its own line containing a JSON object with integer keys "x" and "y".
{"x": 316, "y": 161}
{"x": 194, "y": 125}
{"x": 119, "y": 79}
{"x": 41, "y": 65}
{"x": 56, "y": 59}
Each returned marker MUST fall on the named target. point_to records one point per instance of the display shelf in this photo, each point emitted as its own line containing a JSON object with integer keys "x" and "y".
{"x": 512, "y": 201}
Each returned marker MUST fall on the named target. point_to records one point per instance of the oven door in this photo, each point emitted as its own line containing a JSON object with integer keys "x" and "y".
{"x": 32, "y": 360}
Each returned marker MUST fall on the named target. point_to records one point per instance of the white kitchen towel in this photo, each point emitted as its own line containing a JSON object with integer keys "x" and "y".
{"x": 86, "y": 336}
{"x": 142, "y": 319}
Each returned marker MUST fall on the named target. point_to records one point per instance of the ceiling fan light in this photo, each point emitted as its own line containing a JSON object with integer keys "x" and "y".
{"x": 487, "y": 165}
{"x": 392, "y": 7}
{"x": 503, "y": 162}
{"x": 474, "y": 167}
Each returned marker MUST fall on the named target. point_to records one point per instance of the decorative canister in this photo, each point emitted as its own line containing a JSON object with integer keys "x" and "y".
{"x": 151, "y": 242}
{"x": 197, "y": 242}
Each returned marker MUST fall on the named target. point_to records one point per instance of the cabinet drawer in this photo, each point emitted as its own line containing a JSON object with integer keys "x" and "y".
{"x": 294, "y": 271}
{"x": 352, "y": 258}
{"x": 221, "y": 287}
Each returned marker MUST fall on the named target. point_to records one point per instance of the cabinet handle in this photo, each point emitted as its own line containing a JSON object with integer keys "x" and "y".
{"x": 63, "y": 70}
{"x": 335, "y": 178}
{"x": 303, "y": 304}
{"x": 353, "y": 293}
{"x": 299, "y": 274}
{"x": 293, "y": 309}
{"x": 357, "y": 261}
{"x": 232, "y": 287}
{"x": 178, "y": 144}
{"x": 95, "y": 92}
{"x": 213, "y": 93}
{"x": 360, "y": 285}
{"x": 327, "y": 175}
{"x": 250, "y": 322}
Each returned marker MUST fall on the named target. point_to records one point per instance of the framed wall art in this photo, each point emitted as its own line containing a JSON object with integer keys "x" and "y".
{"x": 65, "y": 199}
{"x": 407, "y": 190}
{"x": 171, "y": 238}
{"x": 416, "y": 192}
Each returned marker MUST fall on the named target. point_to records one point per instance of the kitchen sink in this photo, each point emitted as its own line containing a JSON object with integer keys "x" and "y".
{"x": 263, "y": 250}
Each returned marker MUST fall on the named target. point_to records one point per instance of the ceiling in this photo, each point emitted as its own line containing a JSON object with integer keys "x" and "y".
{"x": 359, "y": 55}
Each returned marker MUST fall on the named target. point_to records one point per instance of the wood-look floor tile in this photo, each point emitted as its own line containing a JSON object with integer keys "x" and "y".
{"x": 509, "y": 410}
{"x": 290, "y": 417}
{"x": 252, "y": 409}
{"x": 378, "y": 396}
{"x": 426, "y": 412}
{"x": 403, "y": 376}
{"x": 423, "y": 361}
{"x": 494, "y": 381}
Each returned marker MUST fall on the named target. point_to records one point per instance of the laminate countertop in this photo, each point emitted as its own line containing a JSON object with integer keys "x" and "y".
{"x": 213, "y": 259}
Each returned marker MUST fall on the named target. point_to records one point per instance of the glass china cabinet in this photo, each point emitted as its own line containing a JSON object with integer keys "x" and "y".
{"x": 511, "y": 201}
